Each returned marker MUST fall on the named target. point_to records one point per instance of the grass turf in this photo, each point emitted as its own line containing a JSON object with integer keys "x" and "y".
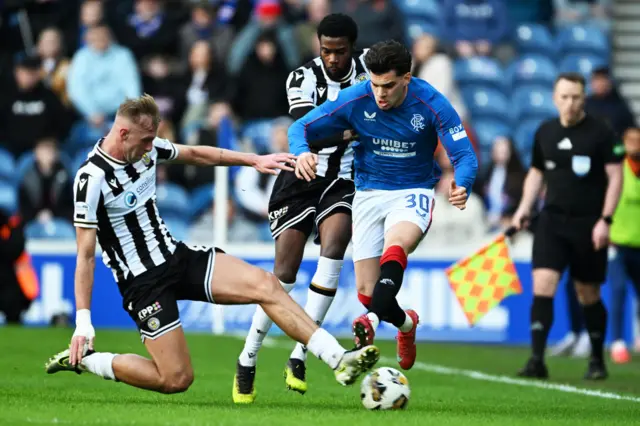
{"x": 29, "y": 396}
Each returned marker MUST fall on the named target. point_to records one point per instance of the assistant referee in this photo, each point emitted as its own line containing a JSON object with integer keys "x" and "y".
{"x": 574, "y": 156}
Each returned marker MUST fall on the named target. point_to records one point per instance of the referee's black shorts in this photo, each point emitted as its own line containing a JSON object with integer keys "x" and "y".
{"x": 561, "y": 241}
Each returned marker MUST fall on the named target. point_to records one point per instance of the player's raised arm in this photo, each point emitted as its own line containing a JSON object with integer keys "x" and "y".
{"x": 454, "y": 138}
{"x": 87, "y": 193}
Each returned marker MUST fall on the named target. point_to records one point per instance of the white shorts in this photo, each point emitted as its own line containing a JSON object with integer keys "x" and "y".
{"x": 376, "y": 211}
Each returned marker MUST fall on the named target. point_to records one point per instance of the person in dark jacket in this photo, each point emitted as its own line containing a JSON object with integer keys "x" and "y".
{"x": 13, "y": 302}
{"x": 607, "y": 103}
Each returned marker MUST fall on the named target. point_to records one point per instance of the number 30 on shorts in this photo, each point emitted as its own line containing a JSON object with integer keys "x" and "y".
{"x": 422, "y": 204}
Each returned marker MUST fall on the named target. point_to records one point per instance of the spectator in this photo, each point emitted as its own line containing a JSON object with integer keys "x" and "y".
{"x": 450, "y": 225}
{"x": 501, "y": 186}
{"x": 377, "y": 20}
{"x": 13, "y": 301}
{"x": 253, "y": 189}
{"x": 577, "y": 11}
{"x": 258, "y": 90}
{"x": 148, "y": 30}
{"x": 101, "y": 76}
{"x": 437, "y": 69}
{"x": 167, "y": 89}
{"x": 606, "y": 102}
{"x": 204, "y": 26}
{"x": 475, "y": 27}
{"x": 55, "y": 66}
{"x": 46, "y": 191}
{"x": 268, "y": 18}
{"x": 191, "y": 177}
{"x": 306, "y": 31}
{"x": 30, "y": 111}
{"x": 208, "y": 83}
{"x": 91, "y": 14}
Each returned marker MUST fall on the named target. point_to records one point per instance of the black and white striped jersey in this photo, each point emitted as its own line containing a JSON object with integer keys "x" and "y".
{"x": 118, "y": 199}
{"x": 310, "y": 86}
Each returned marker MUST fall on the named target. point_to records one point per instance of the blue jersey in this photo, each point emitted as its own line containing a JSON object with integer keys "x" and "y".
{"x": 395, "y": 147}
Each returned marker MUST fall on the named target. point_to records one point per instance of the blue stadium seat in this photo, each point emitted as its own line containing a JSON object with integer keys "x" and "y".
{"x": 79, "y": 158}
{"x": 479, "y": 71}
{"x": 201, "y": 199}
{"x": 425, "y": 9}
{"x": 8, "y": 198}
{"x": 488, "y": 130}
{"x": 523, "y": 138}
{"x": 533, "y": 102}
{"x": 530, "y": 69}
{"x": 7, "y": 165}
{"x": 56, "y": 228}
{"x": 534, "y": 39}
{"x": 172, "y": 200}
{"x": 582, "y": 39}
{"x": 582, "y": 63}
{"x": 178, "y": 228}
{"x": 415, "y": 27}
{"x": 487, "y": 103}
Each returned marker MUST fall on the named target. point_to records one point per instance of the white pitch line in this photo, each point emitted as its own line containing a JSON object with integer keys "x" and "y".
{"x": 478, "y": 375}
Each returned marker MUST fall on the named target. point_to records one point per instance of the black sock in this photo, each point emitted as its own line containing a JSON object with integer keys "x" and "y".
{"x": 383, "y": 300}
{"x": 541, "y": 321}
{"x": 575, "y": 310}
{"x": 595, "y": 317}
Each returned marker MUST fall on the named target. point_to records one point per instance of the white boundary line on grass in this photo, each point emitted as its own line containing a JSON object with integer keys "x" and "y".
{"x": 479, "y": 375}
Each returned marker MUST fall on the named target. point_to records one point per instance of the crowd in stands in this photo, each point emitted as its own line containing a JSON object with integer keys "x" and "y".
{"x": 217, "y": 69}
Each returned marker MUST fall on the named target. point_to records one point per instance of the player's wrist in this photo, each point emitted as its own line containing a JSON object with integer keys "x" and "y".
{"x": 83, "y": 318}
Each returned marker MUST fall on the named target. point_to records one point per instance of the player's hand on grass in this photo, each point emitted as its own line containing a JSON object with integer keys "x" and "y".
{"x": 306, "y": 166}
{"x": 600, "y": 235}
{"x": 83, "y": 335}
{"x": 269, "y": 164}
{"x": 458, "y": 195}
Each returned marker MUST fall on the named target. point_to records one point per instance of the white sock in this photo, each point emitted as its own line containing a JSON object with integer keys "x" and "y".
{"x": 408, "y": 324}
{"x": 260, "y": 326}
{"x": 326, "y": 348}
{"x": 100, "y": 364}
{"x": 320, "y": 295}
{"x": 375, "y": 321}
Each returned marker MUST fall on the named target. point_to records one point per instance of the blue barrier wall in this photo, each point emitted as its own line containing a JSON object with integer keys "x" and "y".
{"x": 425, "y": 289}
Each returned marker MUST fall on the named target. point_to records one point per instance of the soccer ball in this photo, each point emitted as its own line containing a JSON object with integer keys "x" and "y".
{"x": 385, "y": 388}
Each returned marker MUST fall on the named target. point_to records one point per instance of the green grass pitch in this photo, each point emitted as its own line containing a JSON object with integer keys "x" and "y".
{"x": 476, "y": 388}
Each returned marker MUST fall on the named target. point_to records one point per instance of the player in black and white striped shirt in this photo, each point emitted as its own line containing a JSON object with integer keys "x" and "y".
{"x": 115, "y": 203}
{"x": 297, "y": 208}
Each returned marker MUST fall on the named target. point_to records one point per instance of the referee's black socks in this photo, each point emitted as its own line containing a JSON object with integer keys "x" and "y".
{"x": 595, "y": 318}
{"x": 541, "y": 321}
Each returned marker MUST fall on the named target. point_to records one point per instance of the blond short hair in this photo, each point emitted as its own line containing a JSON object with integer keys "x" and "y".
{"x": 135, "y": 109}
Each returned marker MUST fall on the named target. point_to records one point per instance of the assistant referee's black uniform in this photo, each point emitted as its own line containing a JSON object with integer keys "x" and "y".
{"x": 572, "y": 161}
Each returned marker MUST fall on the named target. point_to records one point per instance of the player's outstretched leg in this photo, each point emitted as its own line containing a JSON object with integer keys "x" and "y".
{"x": 169, "y": 370}
{"x": 289, "y": 252}
{"x": 335, "y": 234}
{"x": 400, "y": 239}
{"x": 237, "y": 282}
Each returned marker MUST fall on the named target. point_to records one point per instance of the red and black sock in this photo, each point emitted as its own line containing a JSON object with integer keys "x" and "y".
{"x": 383, "y": 302}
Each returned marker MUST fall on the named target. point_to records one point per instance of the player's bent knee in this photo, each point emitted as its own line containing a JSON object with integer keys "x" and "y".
{"x": 587, "y": 294}
{"x": 177, "y": 382}
{"x": 266, "y": 287}
{"x": 545, "y": 282}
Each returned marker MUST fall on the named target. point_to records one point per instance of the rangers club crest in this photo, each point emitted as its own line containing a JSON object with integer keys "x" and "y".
{"x": 417, "y": 122}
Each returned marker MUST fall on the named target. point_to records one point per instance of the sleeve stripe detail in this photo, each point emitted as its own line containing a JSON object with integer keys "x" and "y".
{"x": 85, "y": 225}
{"x": 432, "y": 110}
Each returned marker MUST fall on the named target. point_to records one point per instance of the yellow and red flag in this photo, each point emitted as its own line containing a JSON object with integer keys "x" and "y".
{"x": 482, "y": 280}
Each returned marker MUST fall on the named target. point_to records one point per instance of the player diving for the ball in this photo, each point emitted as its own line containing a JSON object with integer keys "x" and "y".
{"x": 399, "y": 120}
{"x": 115, "y": 193}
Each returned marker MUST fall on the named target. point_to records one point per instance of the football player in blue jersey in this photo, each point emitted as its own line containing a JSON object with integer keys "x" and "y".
{"x": 399, "y": 120}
